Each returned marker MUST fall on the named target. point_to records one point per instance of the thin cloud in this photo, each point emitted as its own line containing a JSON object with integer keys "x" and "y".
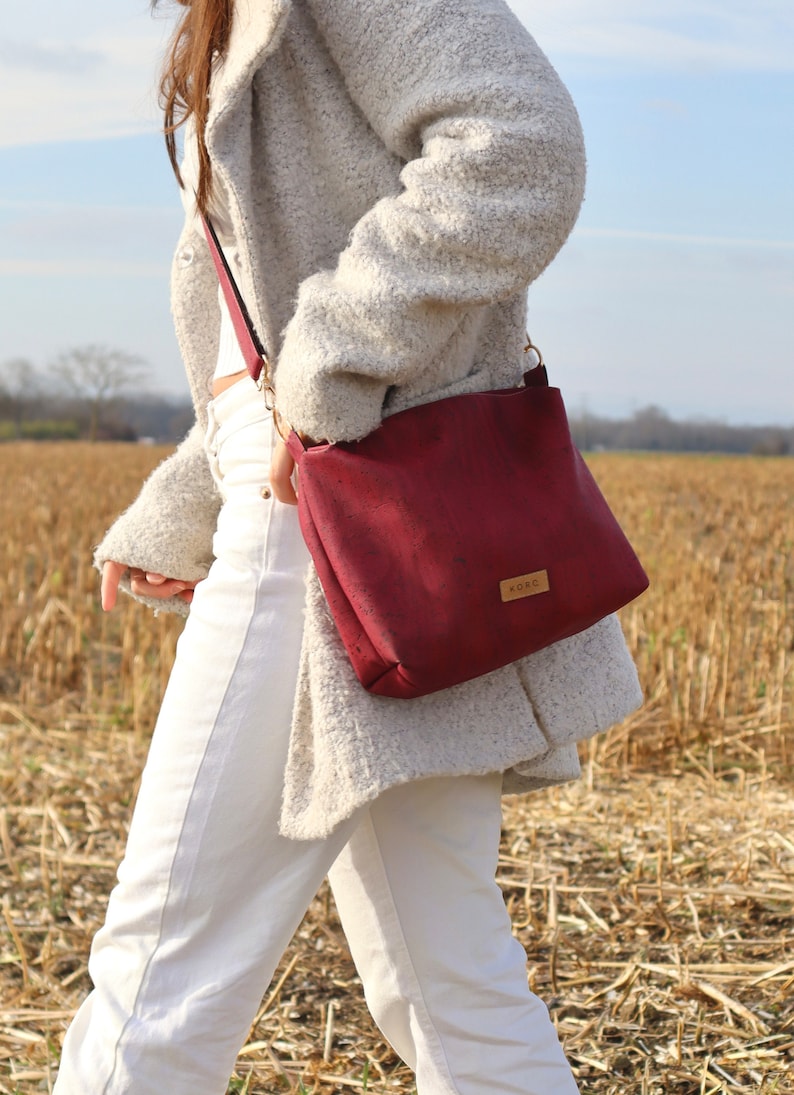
{"x": 692, "y": 240}
{"x": 56, "y": 268}
{"x": 106, "y": 91}
{"x": 51, "y": 241}
{"x": 59, "y": 58}
{"x": 44, "y": 232}
{"x": 716, "y": 35}
{"x": 38, "y": 206}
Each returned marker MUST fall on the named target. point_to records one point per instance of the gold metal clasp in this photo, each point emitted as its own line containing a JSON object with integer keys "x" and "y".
{"x": 264, "y": 384}
{"x": 531, "y": 348}
{"x": 269, "y": 393}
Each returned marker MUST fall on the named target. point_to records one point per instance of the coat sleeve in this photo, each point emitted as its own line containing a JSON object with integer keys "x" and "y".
{"x": 168, "y": 529}
{"x": 491, "y": 187}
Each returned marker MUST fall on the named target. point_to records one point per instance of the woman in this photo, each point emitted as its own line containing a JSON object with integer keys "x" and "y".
{"x": 387, "y": 178}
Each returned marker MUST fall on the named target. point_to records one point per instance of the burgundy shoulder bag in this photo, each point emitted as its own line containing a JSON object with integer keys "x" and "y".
{"x": 457, "y": 537}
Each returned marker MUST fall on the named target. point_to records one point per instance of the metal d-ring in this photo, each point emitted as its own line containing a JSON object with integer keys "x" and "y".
{"x": 530, "y": 347}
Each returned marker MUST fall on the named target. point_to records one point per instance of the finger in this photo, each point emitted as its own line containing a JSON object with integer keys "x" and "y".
{"x": 168, "y": 587}
{"x": 281, "y": 469}
{"x": 155, "y": 579}
{"x": 111, "y": 576}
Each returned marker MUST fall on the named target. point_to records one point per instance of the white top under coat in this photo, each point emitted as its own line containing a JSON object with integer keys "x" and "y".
{"x": 230, "y": 358}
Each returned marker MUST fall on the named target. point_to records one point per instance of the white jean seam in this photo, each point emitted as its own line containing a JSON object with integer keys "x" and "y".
{"x": 177, "y": 846}
{"x": 270, "y": 510}
{"x": 426, "y": 1021}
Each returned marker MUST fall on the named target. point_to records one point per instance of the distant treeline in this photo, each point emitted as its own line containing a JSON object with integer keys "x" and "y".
{"x": 148, "y": 417}
{"x": 653, "y": 430}
{"x": 165, "y": 420}
{"x": 92, "y": 393}
{"x": 96, "y": 393}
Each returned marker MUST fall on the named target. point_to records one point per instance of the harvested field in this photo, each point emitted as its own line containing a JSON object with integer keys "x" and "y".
{"x": 654, "y": 898}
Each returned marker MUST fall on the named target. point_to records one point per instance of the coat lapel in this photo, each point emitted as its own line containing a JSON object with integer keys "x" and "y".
{"x": 256, "y": 30}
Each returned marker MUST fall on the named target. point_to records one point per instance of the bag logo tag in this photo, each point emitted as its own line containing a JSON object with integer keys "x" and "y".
{"x": 525, "y": 585}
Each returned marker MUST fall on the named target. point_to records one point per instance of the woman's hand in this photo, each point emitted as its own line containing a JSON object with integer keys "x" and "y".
{"x": 143, "y": 583}
{"x": 281, "y": 468}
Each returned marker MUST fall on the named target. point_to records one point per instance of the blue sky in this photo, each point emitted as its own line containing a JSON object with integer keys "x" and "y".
{"x": 676, "y": 288}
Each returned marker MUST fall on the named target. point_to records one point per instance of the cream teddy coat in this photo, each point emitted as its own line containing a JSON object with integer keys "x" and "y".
{"x": 397, "y": 172}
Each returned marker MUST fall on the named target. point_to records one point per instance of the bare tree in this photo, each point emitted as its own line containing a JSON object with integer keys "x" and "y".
{"x": 21, "y": 390}
{"x": 98, "y": 375}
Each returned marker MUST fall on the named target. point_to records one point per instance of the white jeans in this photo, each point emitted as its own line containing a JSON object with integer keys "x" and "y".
{"x": 209, "y": 894}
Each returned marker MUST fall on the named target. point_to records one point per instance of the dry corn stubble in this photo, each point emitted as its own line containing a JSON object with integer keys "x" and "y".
{"x": 654, "y": 898}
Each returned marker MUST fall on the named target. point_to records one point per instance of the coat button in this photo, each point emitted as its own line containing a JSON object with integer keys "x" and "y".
{"x": 185, "y": 257}
{"x": 265, "y": 492}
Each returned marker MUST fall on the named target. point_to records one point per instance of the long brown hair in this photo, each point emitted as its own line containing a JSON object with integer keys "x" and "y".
{"x": 200, "y": 38}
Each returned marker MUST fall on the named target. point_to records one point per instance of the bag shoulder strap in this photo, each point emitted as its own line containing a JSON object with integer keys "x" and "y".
{"x": 254, "y": 353}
